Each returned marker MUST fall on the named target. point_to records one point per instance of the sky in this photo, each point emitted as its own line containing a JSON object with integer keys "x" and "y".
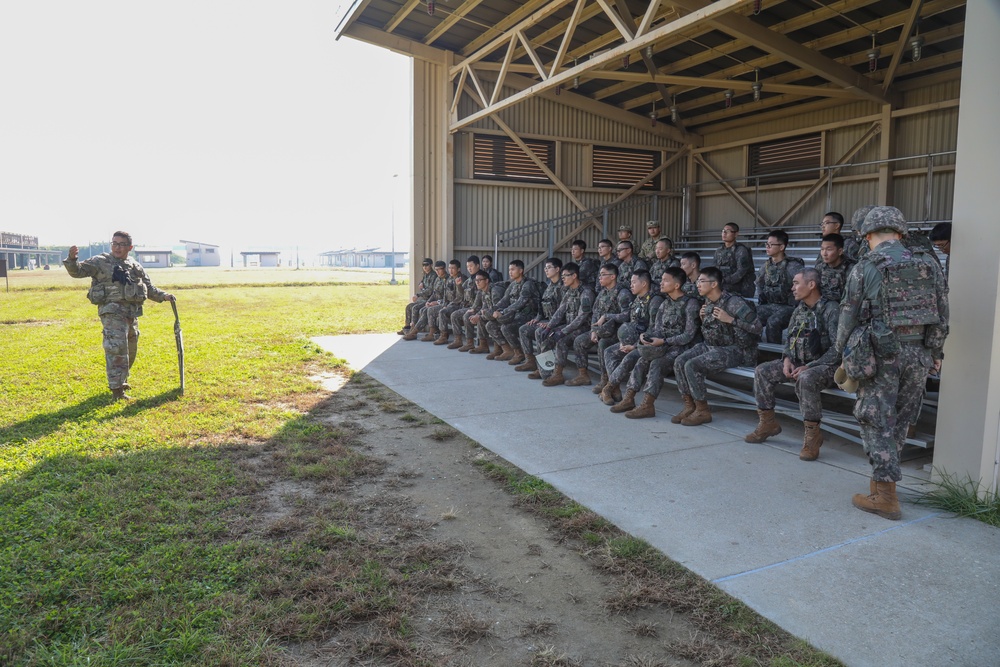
{"x": 241, "y": 124}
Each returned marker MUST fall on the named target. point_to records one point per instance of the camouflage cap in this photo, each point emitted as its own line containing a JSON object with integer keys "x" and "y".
{"x": 859, "y": 216}
{"x": 624, "y": 228}
{"x": 884, "y": 218}
{"x": 651, "y": 224}
{"x": 428, "y": 261}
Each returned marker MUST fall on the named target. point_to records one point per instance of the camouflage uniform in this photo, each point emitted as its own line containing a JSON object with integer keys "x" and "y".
{"x": 812, "y": 333}
{"x": 832, "y": 279}
{"x": 625, "y": 271}
{"x": 589, "y": 267}
{"x": 656, "y": 270}
{"x": 454, "y": 299}
{"x": 677, "y": 324}
{"x": 775, "y": 302}
{"x": 423, "y": 292}
{"x": 606, "y": 303}
{"x": 570, "y": 319}
{"x": 619, "y": 364}
{"x": 427, "y": 314}
{"x": 118, "y": 287}
{"x": 724, "y": 345}
{"x": 851, "y": 248}
{"x": 736, "y": 264}
{"x": 495, "y": 276}
{"x": 518, "y": 305}
{"x": 459, "y": 322}
{"x": 551, "y": 298}
{"x": 487, "y": 304}
{"x": 647, "y": 251}
{"x": 888, "y": 401}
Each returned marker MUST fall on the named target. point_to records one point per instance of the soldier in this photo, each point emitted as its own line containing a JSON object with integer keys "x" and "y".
{"x": 550, "y": 300}
{"x": 674, "y": 330}
{"x": 495, "y": 276}
{"x": 898, "y": 299}
{"x": 621, "y": 358}
{"x": 833, "y": 223}
{"x": 605, "y": 254}
{"x": 735, "y": 261}
{"x": 834, "y": 269}
{"x": 775, "y": 302}
{"x": 624, "y": 233}
{"x": 570, "y": 319}
{"x": 647, "y": 251}
{"x": 454, "y": 297}
{"x": 589, "y": 266}
{"x": 602, "y": 327}
{"x": 482, "y": 311}
{"x": 664, "y": 258}
{"x": 730, "y": 330}
{"x": 434, "y": 298}
{"x": 940, "y": 238}
{"x": 518, "y": 305}
{"x": 691, "y": 266}
{"x": 118, "y": 287}
{"x": 419, "y": 298}
{"x": 628, "y": 264}
{"x": 809, "y": 360}
{"x": 459, "y": 319}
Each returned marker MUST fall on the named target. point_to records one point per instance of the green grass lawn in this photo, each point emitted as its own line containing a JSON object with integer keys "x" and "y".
{"x": 126, "y": 529}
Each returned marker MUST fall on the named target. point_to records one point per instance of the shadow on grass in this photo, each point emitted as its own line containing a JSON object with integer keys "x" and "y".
{"x": 43, "y": 424}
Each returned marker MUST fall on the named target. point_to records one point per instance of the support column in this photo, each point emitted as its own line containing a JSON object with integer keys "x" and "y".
{"x": 886, "y": 150}
{"x": 968, "y": 427}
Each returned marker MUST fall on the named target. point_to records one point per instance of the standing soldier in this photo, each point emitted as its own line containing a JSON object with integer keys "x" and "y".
{"x": 647, "y": 251}
{"x": 775, "y": 302}
{"x": 118, "y": 287}
{"x": 809, "y": 360}
{"x": 735, "y": 261}
{"x": 898, "y": 299}
{"x": 551, "y": 298}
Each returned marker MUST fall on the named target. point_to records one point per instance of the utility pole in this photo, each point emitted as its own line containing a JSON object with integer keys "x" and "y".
{"x": 392, "y": 230}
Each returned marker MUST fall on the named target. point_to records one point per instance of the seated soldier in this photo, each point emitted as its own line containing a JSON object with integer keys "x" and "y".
{"x": 570, "y": 319}
{"x": 495, "y": 276}
{"x": 588, "y": 265}
{"x": 809, "y": 360}
{"x": 730, "y": 331}
{"x": 419, "y": 298}
{"x": 833, "y": 223}
{"x": 620, "y": 358}
{"x": 674, "y": 330}
{"x": 628, "y": 264}
{"x": 775, "y": 302}
{"x": 435, "y": 298}
{"x": 550, "y": 300}
{"x": 454, "y": 295}
{"x": 518, "y": 305}
{"x": 459, "y": 321}
{"x": 605, "y": 254}
{"x": 483, "y": 310}
{"x": 602, "y": 327}
{"x": 834, "y": 268}
{"x": 735, "y": 261}
{"x": 940, "y": 238}
{"x": 691, "y": 266}
{"x": 647, "y": 251}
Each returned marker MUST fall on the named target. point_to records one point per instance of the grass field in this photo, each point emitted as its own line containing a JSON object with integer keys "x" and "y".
{"x": 125, "y": 528}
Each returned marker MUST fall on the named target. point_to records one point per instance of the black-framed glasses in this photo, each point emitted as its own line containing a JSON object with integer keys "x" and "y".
{"x": 605, "y": 275}
{"x": 773, "y": 245}
{"x": 116, "y": 244}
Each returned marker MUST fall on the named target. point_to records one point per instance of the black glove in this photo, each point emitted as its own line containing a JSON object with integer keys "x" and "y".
{"x": 120, "y": 276}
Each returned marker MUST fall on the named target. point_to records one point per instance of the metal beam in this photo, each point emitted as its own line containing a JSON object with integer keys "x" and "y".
{"x": 451, "y": 20}
{"x": 730, "y": 189}
{"x": 904, "y": 36}
{"x": 395, "y": 43}
{"x": 574, "y": 20}
{"x": 617, "y": 21}
{"x": 400, "y": 15}
{"x": 735, "y": 84}
{"x": 513, "y": 19}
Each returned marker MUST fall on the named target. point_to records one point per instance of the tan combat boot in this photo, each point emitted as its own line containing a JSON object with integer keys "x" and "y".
{"x": 508, "y": 353}
{"x": 582, "y": 378}
{"x": 702, "y": 415}
{"x": 482, "y": 348}
{"x": 120, "y": 395}
{"x": 555, "y": 379}
{"x": 599, "y": 387}
{"x": 881, "y": 501}
{"x": 644, "y": 410}
{"x": 811, "y": 442}
{"x": 766, "y": 427}
{"x": 535, "y": 375}
{"x": 529, "y": 364}
{"x": 497, "y": 351}
{"x": 411, "y": 334}
{"x": 627, "y": 402}
{"x": 405, "y": 330}
{"x": 442, "y": 339}
{"x": 686, "y": 412}
{"x": 431, "y": 334}
{"x": 517, "y": 359}
{"x": 457, "y": 343}
{"x": 611, "y": 393}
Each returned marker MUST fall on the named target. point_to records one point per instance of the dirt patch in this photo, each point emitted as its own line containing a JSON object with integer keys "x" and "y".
{"x": 487, "y": 566}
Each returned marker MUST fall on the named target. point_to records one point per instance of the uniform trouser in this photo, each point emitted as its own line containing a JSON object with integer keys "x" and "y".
{"x": 507, "y": 333}
{"x": 444, "y": 317}
{"x": 774, "y": 317}
{"x": 483, "y": 330}
{"x": 527, "y": 334}
{"x": 811, "y": 382}
{"x": 121, "y": 344}
{"x": 691, "y": 367}
{"x": 552, "y": 338}
{"x": 649, "y": 370}
{"x": 583, "y": 345}
{"x": 886, "y": 405}
{"x": 429, "y": 316}
{"x": 413, "y": 311}
{"x": 619, "y": 364}
{"x": 460, "y": 322}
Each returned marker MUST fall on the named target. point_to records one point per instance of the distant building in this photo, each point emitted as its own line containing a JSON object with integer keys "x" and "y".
{"x": 153, "y": 258}
{"x": 201, "y": 254}
{"x": 368, "y": 258}
{"x": 21, "y": 252}
{"x": 264, "y": 258}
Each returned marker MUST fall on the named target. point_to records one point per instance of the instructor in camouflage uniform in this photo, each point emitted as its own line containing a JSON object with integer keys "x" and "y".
{"x": 118, "y": 287}
{"x": 901, "y": 297}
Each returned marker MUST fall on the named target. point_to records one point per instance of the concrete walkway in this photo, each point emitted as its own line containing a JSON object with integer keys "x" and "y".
{"x": 773, "y": 531}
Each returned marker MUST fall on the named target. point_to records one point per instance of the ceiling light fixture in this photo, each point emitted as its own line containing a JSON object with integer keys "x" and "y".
{"x": 675, "y": 115}
{"x": 430, "y": 7}
{"x": 756, "y": 86}
{"x": 729, "y": 98}
{"x": 873, "y": 55}
{"x": 652, "y": 115}
{"x": 917, "y": 45}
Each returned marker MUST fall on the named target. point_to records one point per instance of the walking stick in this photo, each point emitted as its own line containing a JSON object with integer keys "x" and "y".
{"x": 179, "y": 339}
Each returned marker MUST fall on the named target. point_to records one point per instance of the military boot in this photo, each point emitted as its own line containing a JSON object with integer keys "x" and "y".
{"x": 555, "y": 379}
{"x": 405, "y": 330}
{"x": 611, "y": 394}
{"x": 535, "y": 375}
{"x": 702, "y": 415}
{"x": 811, "y": 442}
{"x": 497, "y": 351}
{"x": 599, "y": 387}
{"x": 582, "y": 378}
{"x": 627, "y": 402}
{"x": 686, "y": 412}
{"x": 411, "y": 334}
{"x": 120, "y": 395}
{"x": 442, "y": 339}
{"x": 431, "y": 334}
{"x": 529, "y": 364}
{"x": 881, "y": 501}
{"x": 457, "y": 343}
{"x": 644, "y": 410}
{"x": 767, "y": 426}
{"x": 517, "y": 359}
{"x": 482, "y": 348}
{"x": 508, "y": 353}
